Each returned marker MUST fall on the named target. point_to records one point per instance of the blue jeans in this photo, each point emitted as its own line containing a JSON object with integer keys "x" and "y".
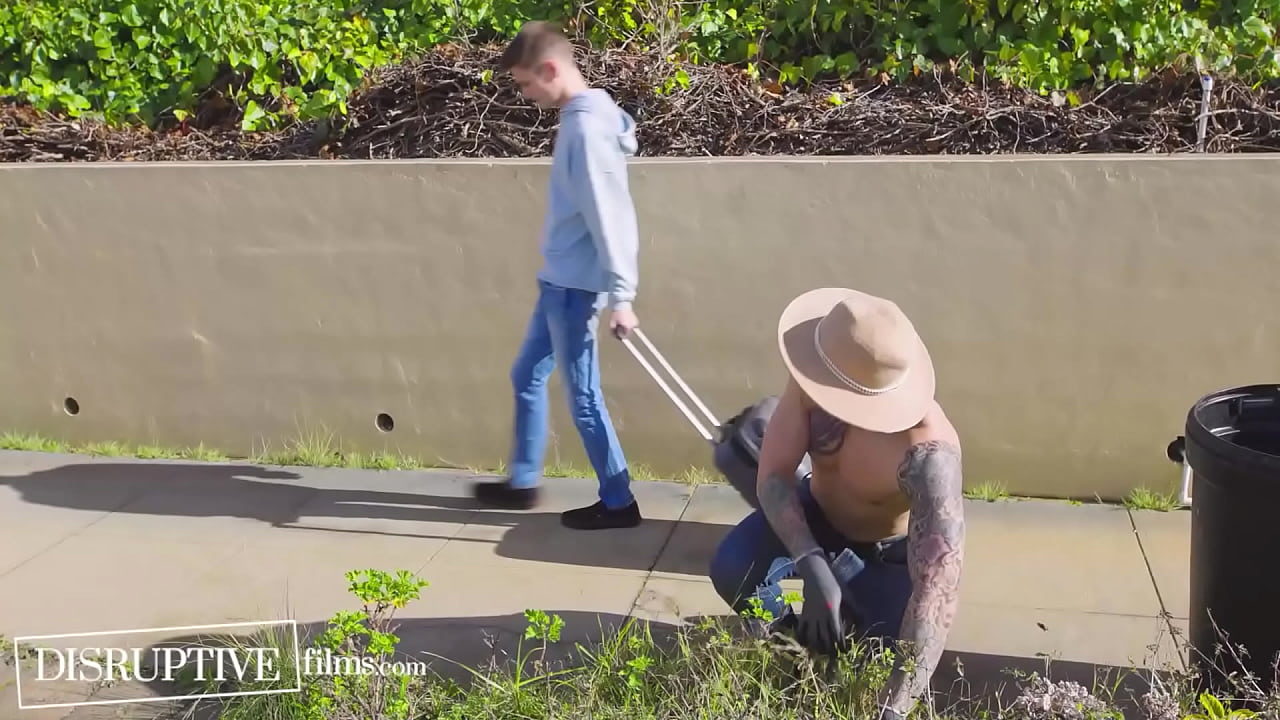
{"x": 752, "y": 562}
{"x": 563, "y": 330}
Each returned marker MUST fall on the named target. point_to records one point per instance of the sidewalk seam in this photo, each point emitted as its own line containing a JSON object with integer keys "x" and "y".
{"x": 471, "y": 516}
{"x": 1165, "y": 616}
{"x": 658, "y": 557}
{"x": 77, "y": 532}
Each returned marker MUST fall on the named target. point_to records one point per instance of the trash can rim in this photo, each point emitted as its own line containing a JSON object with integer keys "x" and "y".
{"x": 1197, "y": 433}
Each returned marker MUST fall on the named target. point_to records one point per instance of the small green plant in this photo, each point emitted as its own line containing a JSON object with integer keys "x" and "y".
{"x": 989, "y": 491}
{"x": 372, "y": 461}
{"x": 1146, "y": 499}
{"x": 202, "y": 453}
{"x": 1215, "y": 710}
{"x": 564, "y": 470}
{"x": 696, "y": 476}
{"x": 30, "y": 443}
{"x": 312, "y": 448}
{"x": 357, "y": 681}
{"x": 107, "y": 449}
{"x": 757, "y": 611}
{"x": 152, "y": 452}
{"x": 367, "y": 633}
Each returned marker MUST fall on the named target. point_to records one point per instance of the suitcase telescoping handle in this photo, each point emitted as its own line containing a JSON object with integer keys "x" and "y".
{"x": 711, "y": 418}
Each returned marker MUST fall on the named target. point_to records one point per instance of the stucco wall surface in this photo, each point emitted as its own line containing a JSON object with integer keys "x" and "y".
{"x": 1075, "y": 306}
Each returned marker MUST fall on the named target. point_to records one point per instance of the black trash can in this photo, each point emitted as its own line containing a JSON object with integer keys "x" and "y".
{"x": 1232, "y": 445}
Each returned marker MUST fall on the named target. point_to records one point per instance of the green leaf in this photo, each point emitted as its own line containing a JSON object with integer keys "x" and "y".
{"x": 205, "y": 71}
{"x": 253, "y": 116}
{"x": 846, "y": 63}
{"x": 1213, "y": 705}
{"x": 1258, "y": 27}
{"x": 130, "y": 16}
{"x": 308, "y": 63}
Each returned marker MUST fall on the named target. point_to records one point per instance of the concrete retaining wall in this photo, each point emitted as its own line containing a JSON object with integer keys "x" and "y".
{"x": 1075, "y": 306}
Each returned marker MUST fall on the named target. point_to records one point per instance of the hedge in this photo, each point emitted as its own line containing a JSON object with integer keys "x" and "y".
{"x": 263, "y": 62}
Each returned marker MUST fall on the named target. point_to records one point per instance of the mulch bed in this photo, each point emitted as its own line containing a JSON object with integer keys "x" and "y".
{"x": 440, "y": 106}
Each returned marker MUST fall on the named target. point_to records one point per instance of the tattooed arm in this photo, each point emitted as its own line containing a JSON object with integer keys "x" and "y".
{"x": 781, "y": 450}
{"x": 930, "y": 476}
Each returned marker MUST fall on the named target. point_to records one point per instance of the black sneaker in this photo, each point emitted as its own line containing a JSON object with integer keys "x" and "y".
{"x": 501, "y": 494}
{"x": 599, "y": 517}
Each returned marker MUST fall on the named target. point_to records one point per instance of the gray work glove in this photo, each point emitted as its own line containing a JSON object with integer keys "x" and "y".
{"x": 820, "y": 629}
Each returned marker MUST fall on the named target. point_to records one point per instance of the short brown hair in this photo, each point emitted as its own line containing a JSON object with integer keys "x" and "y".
{"x": 535, "y": 42}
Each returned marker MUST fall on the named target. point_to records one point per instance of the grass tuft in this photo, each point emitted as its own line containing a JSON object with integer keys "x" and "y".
{"x": 110, "y": 448}
{"x": 152, "y": 452}
{"x": 989, "y": 491}
{"x": 319, "y": 448}
{"x": 316, "y": 448}
{"x": 201, "y": 453}
{"x": 30, "y": 443}
{"x": 1146, "y": 499}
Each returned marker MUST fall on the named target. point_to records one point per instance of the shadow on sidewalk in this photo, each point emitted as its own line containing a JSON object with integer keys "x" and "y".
{"x": 264, "y": 494}
{"x": 964, "y": 684}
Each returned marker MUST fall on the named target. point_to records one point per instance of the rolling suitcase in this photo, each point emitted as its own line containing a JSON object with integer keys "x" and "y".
{"x": 736, "y": 442}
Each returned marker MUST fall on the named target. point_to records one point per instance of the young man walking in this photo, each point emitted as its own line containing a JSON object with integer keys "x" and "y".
{"x": 590, "y": 246}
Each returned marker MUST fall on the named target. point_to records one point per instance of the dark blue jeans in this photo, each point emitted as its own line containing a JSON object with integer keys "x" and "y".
{"x": 751, "y": 562}
{"x": 563, "y": 330}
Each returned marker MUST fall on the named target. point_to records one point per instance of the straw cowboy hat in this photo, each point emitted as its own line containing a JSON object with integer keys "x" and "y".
{"x": 858, "y": 357}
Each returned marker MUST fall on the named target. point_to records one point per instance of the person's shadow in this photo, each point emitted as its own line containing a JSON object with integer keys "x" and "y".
{"x": 324, "y": 500}
{"x": 282, "y": 498}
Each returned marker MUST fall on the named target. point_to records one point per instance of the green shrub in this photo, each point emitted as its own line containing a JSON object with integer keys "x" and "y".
{"x": 263, "y": 61}
{"x": 143, "y": 59}
{"x": 1043, "y": 45}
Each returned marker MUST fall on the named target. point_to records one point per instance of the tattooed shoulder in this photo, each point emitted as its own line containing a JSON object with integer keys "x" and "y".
{"x": 826, "y": 432}
{"x": 930, "y": 477}
{"x": 931, "y": 468}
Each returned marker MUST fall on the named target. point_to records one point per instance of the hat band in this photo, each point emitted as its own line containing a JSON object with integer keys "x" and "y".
{"x": 853, "y": 384}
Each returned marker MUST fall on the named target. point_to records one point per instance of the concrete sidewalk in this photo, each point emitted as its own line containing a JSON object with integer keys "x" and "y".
{"x": 97, "y": 544}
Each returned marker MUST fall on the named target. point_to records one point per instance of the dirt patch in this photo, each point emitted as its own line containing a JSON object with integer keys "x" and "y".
{"x": 450, "y": 104}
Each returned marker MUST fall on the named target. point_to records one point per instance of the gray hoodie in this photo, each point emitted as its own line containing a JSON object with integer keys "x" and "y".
{"x": 590, "y": 239}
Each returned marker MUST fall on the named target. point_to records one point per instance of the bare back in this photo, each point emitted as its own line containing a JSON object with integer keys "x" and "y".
{"x": 855, "y": 472}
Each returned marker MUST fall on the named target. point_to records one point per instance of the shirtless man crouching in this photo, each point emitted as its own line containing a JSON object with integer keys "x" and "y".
{"x": 886, "y": 483}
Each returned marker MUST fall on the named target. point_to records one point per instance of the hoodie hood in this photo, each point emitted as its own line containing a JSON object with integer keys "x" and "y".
{"x": 605, "y": 113}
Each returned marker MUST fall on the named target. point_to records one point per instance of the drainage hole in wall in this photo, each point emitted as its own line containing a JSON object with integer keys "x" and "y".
{"x": 70, "y": 406}
{"x": 385, "y": 423}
